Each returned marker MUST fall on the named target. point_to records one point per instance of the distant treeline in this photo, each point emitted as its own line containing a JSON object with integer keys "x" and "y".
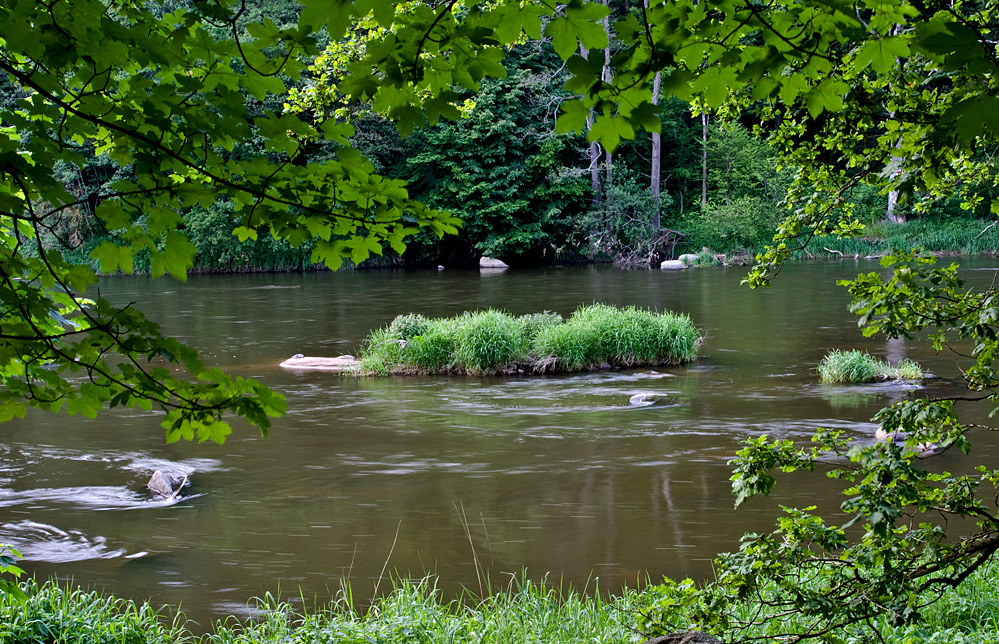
{"x": 526, "y": 193}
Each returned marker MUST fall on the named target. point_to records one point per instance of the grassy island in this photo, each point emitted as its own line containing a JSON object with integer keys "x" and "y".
{"x": 494, "y": 342}
{"x": 854, "y": 367}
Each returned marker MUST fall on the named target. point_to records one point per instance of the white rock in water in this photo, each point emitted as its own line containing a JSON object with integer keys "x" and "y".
{"x": 672, "y": 264}
{"x": 645, "y": 399}
{"x": 340, "y": 364}
{"x": 492, "y": 262}
{"x": 161, "y": 484}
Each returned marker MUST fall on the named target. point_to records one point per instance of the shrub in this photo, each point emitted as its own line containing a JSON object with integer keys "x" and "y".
{"x": 408, "y": 326}
{"x": 747, "y": 222}
{"x": 854, "y": 366}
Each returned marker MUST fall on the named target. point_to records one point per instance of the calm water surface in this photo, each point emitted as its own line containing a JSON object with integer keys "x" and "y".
{"x": 462, "y": 478}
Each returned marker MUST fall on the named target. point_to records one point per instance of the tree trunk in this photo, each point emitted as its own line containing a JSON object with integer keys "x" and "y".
{"x": 657, "y": 144}
{"x": 890, "y": 213}
{"x": 704, "y": 158}
{"x": 608, "y": 157}
{"x": 593, "y": 153}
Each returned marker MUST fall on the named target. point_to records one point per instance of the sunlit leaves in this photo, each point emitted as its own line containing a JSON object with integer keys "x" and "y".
{"x": 579, "y": 25}
{"x": 881, "y": 54}
{"x": 159, "y": 93}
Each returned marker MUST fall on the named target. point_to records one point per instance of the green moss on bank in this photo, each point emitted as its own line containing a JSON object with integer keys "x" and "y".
{"x": 485, "y": 342}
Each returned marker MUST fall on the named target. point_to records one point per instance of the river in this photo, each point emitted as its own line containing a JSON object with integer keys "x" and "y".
{"x": 472, "y": 480}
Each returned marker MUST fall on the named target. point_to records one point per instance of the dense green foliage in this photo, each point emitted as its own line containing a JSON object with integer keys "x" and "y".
{"x": 496, "y": 342}
{"x": 119, "y": 120}
{"x": 856, "y": 366}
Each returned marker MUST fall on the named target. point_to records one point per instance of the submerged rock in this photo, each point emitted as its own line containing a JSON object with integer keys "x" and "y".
{"x": 647, "y": 398}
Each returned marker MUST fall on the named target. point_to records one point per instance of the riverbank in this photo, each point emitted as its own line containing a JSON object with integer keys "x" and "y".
{"x": 948, "y": 236}
{"x": 416, "y": 611}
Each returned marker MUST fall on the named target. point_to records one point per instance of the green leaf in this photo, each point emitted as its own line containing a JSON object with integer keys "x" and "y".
{"x": 573, "y": 117}
{"x": 178, "y": 255}
{"x": 581, "y": 25}
{"x": 335, "y": 15}
{"x": 827, "y": 96}
{"x": 881, "y": 54}
{"x": 609, "y": 130}
{"x": 112, "y": 257}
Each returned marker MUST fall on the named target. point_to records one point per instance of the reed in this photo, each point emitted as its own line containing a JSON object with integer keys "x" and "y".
{"x": 854, "y": 367}
{"x": 964, "y": 236}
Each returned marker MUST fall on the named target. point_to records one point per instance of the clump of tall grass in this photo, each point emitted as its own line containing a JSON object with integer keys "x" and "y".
{"x": 967, "y": 236}
{"x": 495, "y": 342}
{"x": 416, "y": 612}
{"x": 490, "y": 340}
{"x": 854, "y": 366}
{"x": 601, "y": 334}
{"x": 53, "y": 613}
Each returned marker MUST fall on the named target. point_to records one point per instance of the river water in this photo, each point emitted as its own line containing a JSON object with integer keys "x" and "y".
{"x": 473, "y": 480}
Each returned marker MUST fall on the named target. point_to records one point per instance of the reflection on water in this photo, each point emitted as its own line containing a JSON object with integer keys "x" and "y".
{"x": 564, "y": 476}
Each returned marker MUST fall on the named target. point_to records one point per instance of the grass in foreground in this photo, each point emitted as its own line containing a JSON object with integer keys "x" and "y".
{"x": 416, "y": 613}
{"x": 492, "y": 341}
{"x": 853, "y": 367}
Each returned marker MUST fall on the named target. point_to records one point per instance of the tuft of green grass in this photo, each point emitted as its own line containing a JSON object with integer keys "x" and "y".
{"x": 54, "y": 613}
{"x": 854, "y": 366}
{"x": 524, "y": 611}
{"x": 495, "y": 342}
{"x": 489, "y": 340}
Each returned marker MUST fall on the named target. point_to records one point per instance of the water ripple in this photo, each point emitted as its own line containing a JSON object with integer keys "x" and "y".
{"x": 44, "y": 542}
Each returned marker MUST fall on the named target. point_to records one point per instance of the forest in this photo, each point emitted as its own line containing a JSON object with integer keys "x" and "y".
{"x": 525, "y": 191}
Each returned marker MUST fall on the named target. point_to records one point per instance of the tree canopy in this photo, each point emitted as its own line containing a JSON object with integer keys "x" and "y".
{"x": 902, "y": 96}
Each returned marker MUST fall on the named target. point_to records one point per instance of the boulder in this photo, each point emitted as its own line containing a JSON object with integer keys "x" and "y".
{"x": 688, "y": 637}
{"x": 492, "y": 262}
{"x": 672, "y": 264}
{"x": 688, "y": 259}
{"x": 340, "y": 364}
{"x": 162, "y": 485}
